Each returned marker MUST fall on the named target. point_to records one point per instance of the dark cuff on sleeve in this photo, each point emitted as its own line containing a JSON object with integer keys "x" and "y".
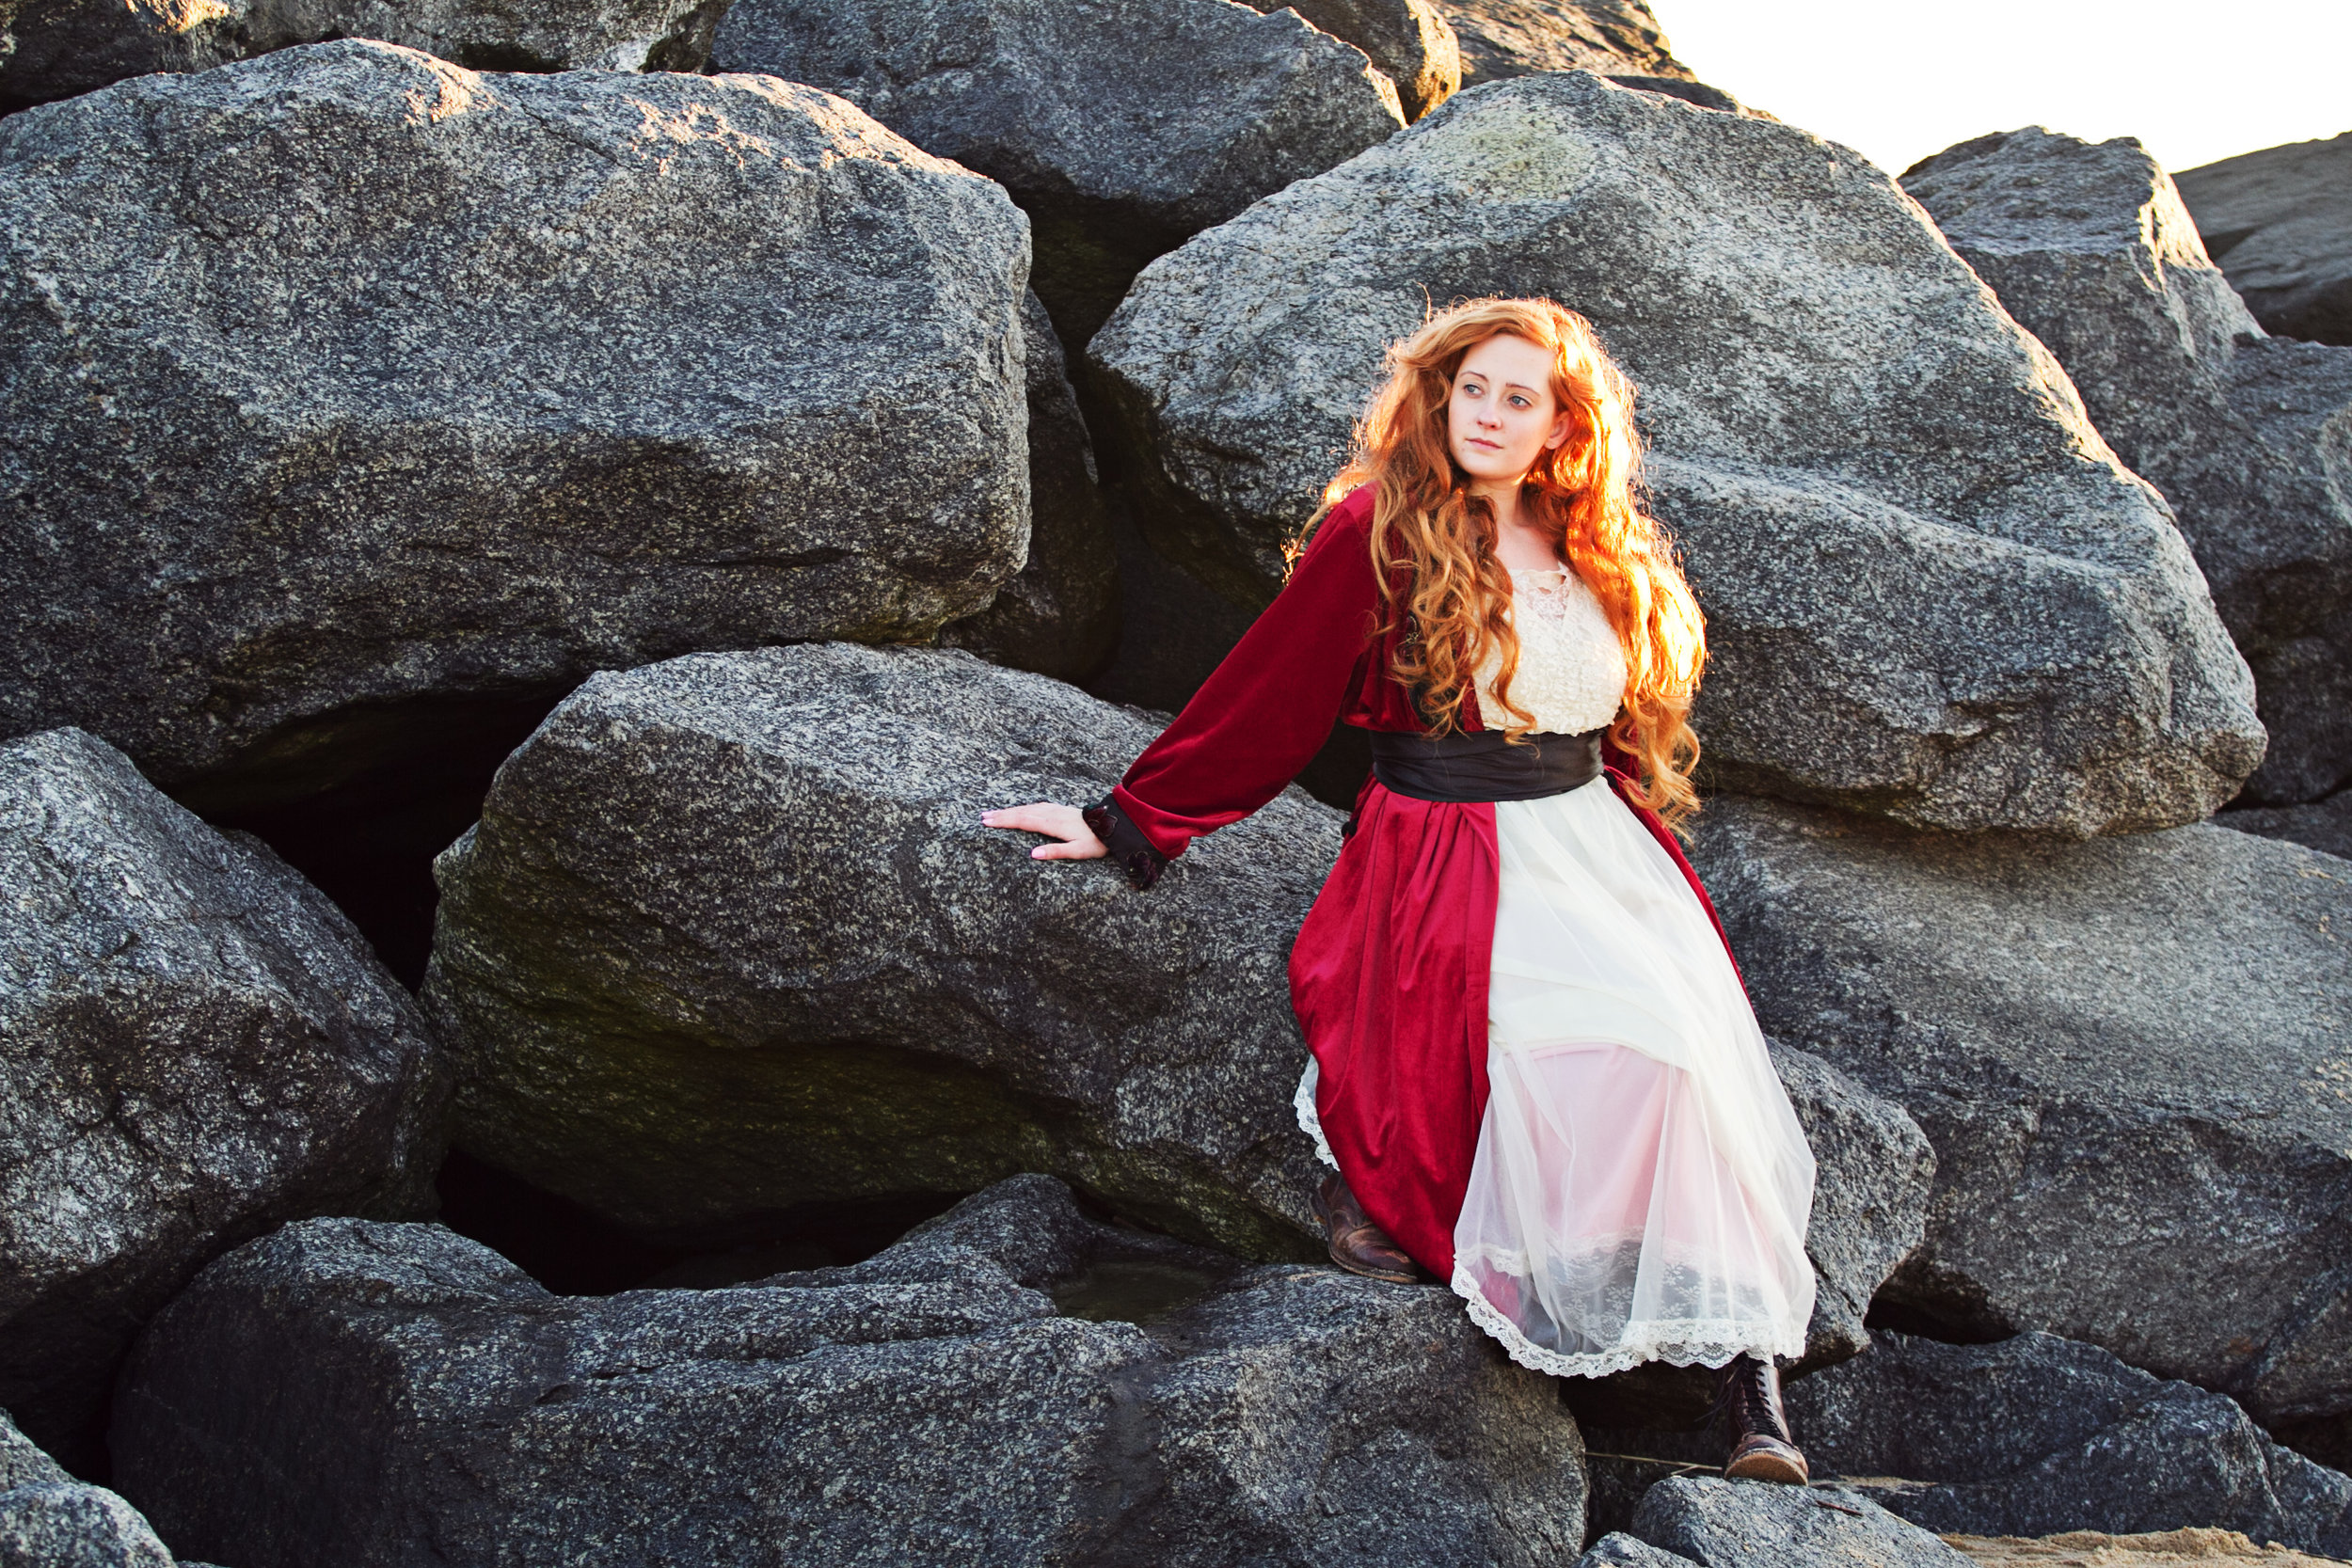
{"x": 1130, "y": 851}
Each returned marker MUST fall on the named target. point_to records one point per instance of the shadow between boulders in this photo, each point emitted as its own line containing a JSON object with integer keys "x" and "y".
{"x": 386, "y": 788}
{"x": 574, "y": 1252}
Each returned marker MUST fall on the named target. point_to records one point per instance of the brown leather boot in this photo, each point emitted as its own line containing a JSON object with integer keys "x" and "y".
{"x": 1356, "y": 1245}
{"x": 1747, "y": 1394}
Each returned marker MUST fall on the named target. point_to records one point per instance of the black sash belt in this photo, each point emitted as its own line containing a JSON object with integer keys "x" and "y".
{"x": 1479, "y": 764}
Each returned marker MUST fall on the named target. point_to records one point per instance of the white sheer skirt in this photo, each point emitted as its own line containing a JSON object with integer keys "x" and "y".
{"x": 1641, "y": 1185}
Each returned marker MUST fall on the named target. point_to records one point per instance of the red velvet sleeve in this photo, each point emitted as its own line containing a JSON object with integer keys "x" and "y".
{"x": 1270, "y": 705}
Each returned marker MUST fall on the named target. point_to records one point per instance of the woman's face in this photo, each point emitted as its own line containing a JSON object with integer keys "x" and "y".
{"x": 1503, "y": 416}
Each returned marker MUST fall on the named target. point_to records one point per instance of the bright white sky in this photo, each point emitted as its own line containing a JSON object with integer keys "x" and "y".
{"x": 1899, "y": 79}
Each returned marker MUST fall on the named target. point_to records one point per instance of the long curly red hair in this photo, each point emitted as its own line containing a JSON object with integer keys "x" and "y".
{"x": 1457, "y": 594}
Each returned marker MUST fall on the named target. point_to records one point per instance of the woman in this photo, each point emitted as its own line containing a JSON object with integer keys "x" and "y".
{"x": 1535, "y": 1070}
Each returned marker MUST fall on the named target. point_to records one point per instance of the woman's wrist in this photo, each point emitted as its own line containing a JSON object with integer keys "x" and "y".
{"x": 1129, "y": 850}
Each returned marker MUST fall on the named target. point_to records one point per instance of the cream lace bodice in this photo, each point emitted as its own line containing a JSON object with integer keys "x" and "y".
{"x": 1571, "y": 675}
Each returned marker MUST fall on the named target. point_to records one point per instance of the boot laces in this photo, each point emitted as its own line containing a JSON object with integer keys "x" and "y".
{"x": 1743, "y": 1400}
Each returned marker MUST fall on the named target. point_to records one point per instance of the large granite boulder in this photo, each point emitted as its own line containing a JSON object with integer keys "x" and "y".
{"x": 359, "y": 1393}
{"x": 199, "y": 1048}
{"x": 1123, "y": 126}
{"x": 2037, "y": 1436}
{"x": 2299, "y": 398}
{"x": 2129, "y": 1058}
{"x": 2280, "y": 223}
{"x": 2090, "y": 249}
{"x": 392, "y": 385}
{"x": 64, "y": 47}
{"x": 1875, "y": 1172}
{"x": 50, "y": 1520}
{"x": 1059, "y": 614}
{"x": 1751, "y": 1523}
{"x": 1407, "y": 39}
{"x": 730, "y": 937}
{"x": 1933, "y": 593}
{"x": 1512, "y": 37}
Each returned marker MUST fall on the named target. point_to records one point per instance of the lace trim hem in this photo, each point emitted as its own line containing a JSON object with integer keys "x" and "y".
{"x": 1696, "y": 1345}
{"x": 1303, "y": 1104}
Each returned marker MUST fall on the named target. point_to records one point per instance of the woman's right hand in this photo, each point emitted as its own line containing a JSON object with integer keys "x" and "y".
{"x": 1065, "y": 824}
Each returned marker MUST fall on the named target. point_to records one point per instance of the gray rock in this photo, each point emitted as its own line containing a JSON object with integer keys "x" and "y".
{"x": 730, "y": 937}
{"x": 499, "y": 35}
{"x": 67, "y": 1525}
{"x": 199, "y": 1048}
{"x": 1691, "y": 92}
{"x": 2280, "y": 223}
{"x": 1512, "y": 37}
{"x": 2090, "y": 249}
{"x": 2127, "y": 1054}
{"x": 1408, "y": 40}
{"x": 2299, "y": 396}
{"x": 2325, "y": 825}
{"x": 1619, "y": 1550}
{"x": 1059, "y": 615}
{"x": 394, "y": 384}
{"x": 1622, "y": 1463}
{"x": 64, "y": 47}
{"x": 1840, "y": 417}
{"x": 1173, "y": 630}
{"x": 22, "y": 1462}
{"x": 52, "y": 49}
{"x": 1754, "y": 1524}
{"x": 349, "y": 1392}
{"x": 1869, "y": 1197}
{"x": 50, "y": 1520}
{"x": 1123, "y": 126}
{"x": 2037, "y": 1436}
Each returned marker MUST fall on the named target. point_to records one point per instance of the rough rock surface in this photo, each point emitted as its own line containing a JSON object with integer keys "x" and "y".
{"x": 2322, "y": 825}
{"x": 50, "y": 1520}
{"x": 1869, "y": 1197}
{"x": 1841, "y": 416}
{"x": 2280, "y": 223}
{"x": 2299, "y": 396}
{"x": 67, "y": 1525}
{"x": 199, "y": 1048}
{"x": 730, "y": 937}
{"x": 2090, "y": 249}
{"x": 2127, "y": 1054}
{"x": 394, "y": 383}
{"x": 1408, "y": 40}
{"x": 2039, "y": 1434}
{"x": 1619, "y": 1550}
{"x": 64, "y": 47}
{"x": 1059, "y": 614}
{"x": 1746, "y": 1523}
{"x": 1123, "y": 126}
{"x": 346, "y": 1392}
{"x": 1512, "y": 37}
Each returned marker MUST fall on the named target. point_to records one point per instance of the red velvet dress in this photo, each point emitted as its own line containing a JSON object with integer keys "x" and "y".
{"x": 1389, "y": 972}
